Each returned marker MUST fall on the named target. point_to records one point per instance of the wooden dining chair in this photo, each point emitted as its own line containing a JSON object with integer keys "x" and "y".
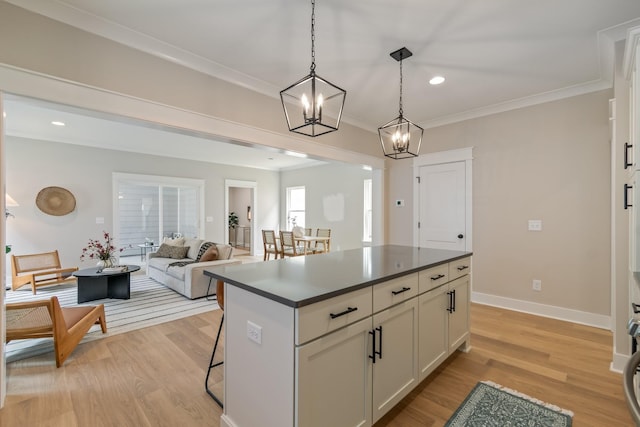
{"x": 288, "y": 245}
{"x": 321, "y": 247}
{"x": 45, "y": 318}
{"x": 270, "y": 244}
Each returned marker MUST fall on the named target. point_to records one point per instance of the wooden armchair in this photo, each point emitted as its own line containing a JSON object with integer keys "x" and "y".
{"x": 39, "y": 270}
{"x": 288, "y": 245}
{"x": 45, "y": 318}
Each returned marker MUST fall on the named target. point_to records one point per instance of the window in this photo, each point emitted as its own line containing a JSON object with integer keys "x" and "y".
{"x": 151, "y": 208}
{"x": 295, "y": 207}
{"x": 367, "y": 211}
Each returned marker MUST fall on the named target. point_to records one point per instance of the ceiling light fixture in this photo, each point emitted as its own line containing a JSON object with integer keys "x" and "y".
{"x": 313, "y": 106}
{"x": 57, "y": 123}
{"x": 400, "y": 138}
{"x": 436, "y": 80}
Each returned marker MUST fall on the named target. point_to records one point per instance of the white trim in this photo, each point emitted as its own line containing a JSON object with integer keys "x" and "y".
{"x": 554, "y": 312}
{"x": 618, "y": 363}
{"x": 3, "y": 262}
{"x": 34, "y": 85}
{"x": 630, "y": 51}
{"x": 228, "y": 183}
{"x": 450, "y": 156}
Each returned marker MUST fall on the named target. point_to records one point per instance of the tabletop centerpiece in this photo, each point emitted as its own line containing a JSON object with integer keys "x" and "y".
{"x": 104, "y": 251}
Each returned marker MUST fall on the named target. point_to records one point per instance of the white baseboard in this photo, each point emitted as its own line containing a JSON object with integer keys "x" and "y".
{"x": 554, "y": 312}
{"x": 618, "y": 362}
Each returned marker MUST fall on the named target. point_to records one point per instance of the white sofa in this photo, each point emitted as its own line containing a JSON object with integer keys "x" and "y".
{"x": 188, "y": 280}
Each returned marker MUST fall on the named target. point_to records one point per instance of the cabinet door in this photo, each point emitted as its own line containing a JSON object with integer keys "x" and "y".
{"x": 459, "y": 318}
{"x": 333, "y": 381}
{"x": 395, "y": 371}
{"x": 433, "y": 319}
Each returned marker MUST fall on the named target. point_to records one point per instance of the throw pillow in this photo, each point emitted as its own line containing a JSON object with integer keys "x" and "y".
{"x": 170, "y": 251}
{"x": 210, "y": 255}
{"x": 194, "y": 246}
{"x": 178, "y": 241}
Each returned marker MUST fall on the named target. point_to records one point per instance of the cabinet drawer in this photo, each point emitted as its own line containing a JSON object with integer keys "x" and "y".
{"x": 459, "y": 268}
{"x": 394, "y": 291}
{"x": 314, "y": 320}
{"x": 434, "y": 277}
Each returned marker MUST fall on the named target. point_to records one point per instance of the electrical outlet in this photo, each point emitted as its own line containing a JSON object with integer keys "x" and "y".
{"x": 537, "y": 285}
{"x": 254, "y": 332}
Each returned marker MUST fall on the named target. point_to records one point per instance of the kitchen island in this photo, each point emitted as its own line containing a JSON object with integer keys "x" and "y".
{"x": 338, "y": 339}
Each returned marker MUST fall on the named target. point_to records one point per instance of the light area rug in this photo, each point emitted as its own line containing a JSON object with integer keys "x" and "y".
{"x": 150, "y": 304}
{"x": 490, "y": 404}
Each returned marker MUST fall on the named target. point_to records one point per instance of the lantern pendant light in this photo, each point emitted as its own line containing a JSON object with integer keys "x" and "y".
{"x": 400, "y": 138}
{"x": 313, "y": 106}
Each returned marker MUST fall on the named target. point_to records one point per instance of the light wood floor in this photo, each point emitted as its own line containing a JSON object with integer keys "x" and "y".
{"x": 155, "y": 376}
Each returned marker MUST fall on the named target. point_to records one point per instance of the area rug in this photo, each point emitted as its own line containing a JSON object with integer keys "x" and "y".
{"x": 490, "y": 404}
{"x": 150, "y": 304}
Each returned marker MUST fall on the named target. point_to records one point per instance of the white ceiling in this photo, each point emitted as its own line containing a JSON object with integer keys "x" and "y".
{"x": 495, "y": 54}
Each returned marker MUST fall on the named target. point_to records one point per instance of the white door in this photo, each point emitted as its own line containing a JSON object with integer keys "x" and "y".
{"x": 442, "y": 210}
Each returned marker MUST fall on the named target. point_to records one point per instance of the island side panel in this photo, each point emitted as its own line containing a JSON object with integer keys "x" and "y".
{"x": 253, "y": 371}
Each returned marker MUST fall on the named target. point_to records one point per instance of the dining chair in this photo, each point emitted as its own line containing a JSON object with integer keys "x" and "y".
{"x": 288, "y": 245}
{"x": 270, "y": 244}
{"x": 321, "y": 247}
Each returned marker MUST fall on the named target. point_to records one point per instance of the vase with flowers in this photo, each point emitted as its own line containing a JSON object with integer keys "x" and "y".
{"x": 103, "y": 251}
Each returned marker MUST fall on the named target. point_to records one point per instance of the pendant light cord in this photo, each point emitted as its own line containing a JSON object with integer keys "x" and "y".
{"x": 313, "y": 35}
{"x": 400, "y": 106}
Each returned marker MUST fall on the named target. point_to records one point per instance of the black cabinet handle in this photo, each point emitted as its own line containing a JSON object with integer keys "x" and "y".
{"x": 373, "y": 346}
{"x": 626, "y": 155}
{"x": 379, "y": 352}
{"x": 450, "y": 307}
{"x": 453, "y": 306}
{"x": 404, "y": 289}
{"x": 347, "y": 311}
{"x": 626, "y": 196}
{"x": 463, "y": 267}
{"x": 439, "y": 276}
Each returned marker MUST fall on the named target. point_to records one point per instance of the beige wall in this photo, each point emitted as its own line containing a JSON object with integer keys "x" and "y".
{"x": 549, "y": 162}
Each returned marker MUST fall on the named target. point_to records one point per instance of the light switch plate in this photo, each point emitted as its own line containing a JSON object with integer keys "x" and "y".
{"x": 535, "y": 225}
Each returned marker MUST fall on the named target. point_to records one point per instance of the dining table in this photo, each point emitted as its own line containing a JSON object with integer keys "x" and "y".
{"x": 306, "y": 241}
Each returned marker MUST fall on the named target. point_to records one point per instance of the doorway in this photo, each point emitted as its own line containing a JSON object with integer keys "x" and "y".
{"x": 241, "y": 214}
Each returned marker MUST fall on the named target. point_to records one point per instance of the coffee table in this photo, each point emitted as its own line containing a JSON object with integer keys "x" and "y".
{"x": 93, "y": 284}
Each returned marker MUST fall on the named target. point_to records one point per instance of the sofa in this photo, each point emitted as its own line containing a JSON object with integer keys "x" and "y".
{"x": 179, "y": 264}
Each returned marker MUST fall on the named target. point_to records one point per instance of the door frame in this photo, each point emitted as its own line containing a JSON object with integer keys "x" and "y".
{"x": 441, "y": 157}
{"x": 230, "y": 183}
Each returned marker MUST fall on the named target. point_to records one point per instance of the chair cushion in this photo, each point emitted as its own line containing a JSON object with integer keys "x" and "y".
{"x": 73, "y": 315}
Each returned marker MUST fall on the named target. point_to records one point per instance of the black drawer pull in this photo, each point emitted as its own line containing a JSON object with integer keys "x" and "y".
{"x": 347, "y": 311}
{"x": 463, "y": 267}
{"x": 627, "y": 163}
{"x": 627, "y": 187}
{"x": 439, "y": 276}
{"x": 404, "y": 289}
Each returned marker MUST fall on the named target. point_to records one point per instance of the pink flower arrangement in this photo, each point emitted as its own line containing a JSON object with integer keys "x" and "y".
{"x": 100, "y": 250}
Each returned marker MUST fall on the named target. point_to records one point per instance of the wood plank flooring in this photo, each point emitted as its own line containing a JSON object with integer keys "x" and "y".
{"x": 155, "y": 376}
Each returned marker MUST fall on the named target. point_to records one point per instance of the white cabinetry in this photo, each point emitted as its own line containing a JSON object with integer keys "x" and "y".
{"x": 333, "y": 383}
{"x": 434, "y": 336}
{"x": 395, "y": 370}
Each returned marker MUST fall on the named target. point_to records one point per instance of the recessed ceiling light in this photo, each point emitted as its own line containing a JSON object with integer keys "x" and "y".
{"x": 367, "y": 167}
{"x": 436, "y": 80}
{"x": 295, "y": 154}
{"x": 56, "y": 123}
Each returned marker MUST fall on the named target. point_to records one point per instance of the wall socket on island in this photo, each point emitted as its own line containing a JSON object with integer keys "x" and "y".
{"x": 537, "y": 285}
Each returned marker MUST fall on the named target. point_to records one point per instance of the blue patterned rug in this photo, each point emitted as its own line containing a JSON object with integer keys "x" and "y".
{"x": 491, "y": 405}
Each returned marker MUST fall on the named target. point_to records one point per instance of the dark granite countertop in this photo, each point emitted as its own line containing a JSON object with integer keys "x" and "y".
{"x": 304, "y": 280}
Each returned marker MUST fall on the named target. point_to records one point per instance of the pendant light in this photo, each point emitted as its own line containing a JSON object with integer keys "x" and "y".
{"x": 312, "y": 105}
{"x": 400, "y": 138}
